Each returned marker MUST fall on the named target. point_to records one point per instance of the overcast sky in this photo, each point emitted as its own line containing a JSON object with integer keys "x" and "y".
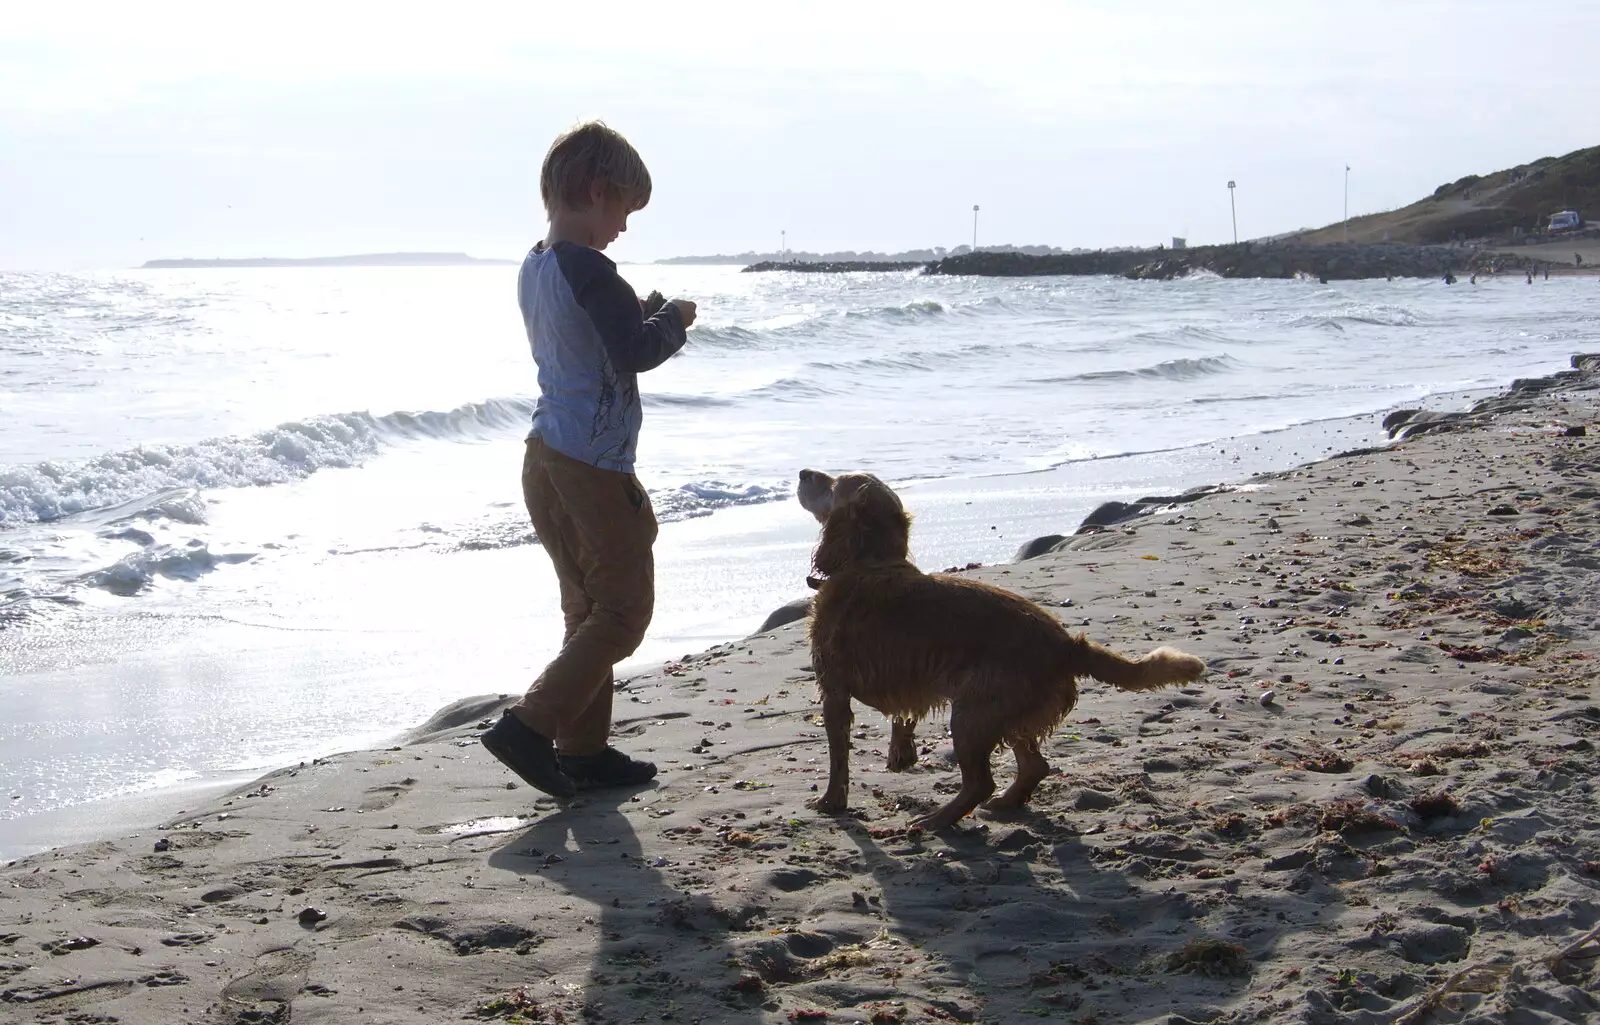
{"x": 136, "y": 131}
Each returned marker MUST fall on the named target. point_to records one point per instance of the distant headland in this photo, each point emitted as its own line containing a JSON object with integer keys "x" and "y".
{"x": 360, "y": 260}
{"x": 1534, "y": 217}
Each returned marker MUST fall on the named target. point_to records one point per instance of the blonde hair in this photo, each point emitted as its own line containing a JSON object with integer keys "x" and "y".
{"x": 585, "y": 155}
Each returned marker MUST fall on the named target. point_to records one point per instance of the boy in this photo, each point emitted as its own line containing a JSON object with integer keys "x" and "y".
{"x": 590, "y": 338}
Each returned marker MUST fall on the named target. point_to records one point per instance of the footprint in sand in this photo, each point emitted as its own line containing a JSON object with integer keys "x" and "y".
{"x": 381, "y": 798}
{"x": 266, "y": 993}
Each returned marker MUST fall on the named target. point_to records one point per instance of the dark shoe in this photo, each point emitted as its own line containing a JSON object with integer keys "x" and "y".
{"x": 609, "y": 768}
{"x": 530, "y": 755}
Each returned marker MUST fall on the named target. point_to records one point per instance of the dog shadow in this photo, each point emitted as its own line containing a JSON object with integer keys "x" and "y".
{"x": 652, "y": 940}
{"x": 1054, "y": 928}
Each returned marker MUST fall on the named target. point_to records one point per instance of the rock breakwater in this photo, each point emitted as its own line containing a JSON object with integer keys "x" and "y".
{"x": 1247, "y": 260}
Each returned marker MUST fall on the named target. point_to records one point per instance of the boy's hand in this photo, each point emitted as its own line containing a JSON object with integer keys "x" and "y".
{"x": 686, "y": 309}
{"x": 651, "y": 304}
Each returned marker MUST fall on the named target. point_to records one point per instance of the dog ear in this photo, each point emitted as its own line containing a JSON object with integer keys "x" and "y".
{"x": 843, "y": 534}
{"x": 832, "y": 552}
{"x": 882, "y": 528}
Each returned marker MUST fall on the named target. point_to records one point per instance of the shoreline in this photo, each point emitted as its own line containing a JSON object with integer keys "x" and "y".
{"x": 959, "y": 515}
{"x": 1385, "y": 782}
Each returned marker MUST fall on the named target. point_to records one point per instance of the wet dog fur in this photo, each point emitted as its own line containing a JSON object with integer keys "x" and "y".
{"x": 906, "y": 643}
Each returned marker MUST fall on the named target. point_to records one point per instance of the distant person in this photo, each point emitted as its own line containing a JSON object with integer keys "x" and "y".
{"x": 1450, "y": 278}
{"x": 591, "y": 337}
{"x": 1579, "y": 258}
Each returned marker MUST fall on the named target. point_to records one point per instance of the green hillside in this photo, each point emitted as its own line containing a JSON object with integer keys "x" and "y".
{"x": 1495, "y": 205}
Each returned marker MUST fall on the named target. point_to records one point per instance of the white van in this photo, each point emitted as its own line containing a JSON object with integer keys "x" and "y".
{"x": 1566, "y": 220}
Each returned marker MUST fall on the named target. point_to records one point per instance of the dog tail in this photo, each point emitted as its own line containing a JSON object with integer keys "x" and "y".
{"x": 1162, "y": 667}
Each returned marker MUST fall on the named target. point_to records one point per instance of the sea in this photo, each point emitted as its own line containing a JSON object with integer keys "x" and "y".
{"x": 250, "y": 517}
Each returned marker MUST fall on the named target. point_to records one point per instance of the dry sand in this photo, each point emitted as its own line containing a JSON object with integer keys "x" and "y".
{"x": 1378, "y": 807}
{"x": 1561, "y": 253}
{"x": 1558, "y": 255}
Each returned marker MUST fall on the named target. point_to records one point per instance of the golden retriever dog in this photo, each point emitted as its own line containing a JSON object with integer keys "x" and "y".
{"x": 907, "y": 643}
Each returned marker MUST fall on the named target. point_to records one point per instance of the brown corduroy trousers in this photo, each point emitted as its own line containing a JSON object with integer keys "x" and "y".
{"x": 598, "y": 528}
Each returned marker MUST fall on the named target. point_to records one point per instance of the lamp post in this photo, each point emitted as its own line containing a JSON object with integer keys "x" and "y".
{"x": 783, "y": 245}
{"x": 974, "y": 227}
{"x": 1235, "y": 211}
{"x": 1347, "y": 202}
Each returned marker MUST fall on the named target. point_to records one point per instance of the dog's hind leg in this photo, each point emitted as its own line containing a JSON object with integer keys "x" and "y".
{"x": 975, "y": 741}
{"x": 836, "y": 718}
{"x": 1031, "y": 771}
{"x": 902, "y": 744}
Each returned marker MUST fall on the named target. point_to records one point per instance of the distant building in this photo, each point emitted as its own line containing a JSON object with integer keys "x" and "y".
{"x": 1179, "y": 243}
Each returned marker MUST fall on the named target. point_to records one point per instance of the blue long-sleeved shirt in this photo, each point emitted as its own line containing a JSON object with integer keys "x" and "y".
{"x": 590, "y": 340}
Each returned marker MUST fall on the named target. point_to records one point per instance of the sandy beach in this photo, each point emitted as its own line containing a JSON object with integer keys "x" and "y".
{"x": 1379, "y": 806}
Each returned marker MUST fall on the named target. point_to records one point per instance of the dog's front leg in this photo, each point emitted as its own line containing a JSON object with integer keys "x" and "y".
{"x": 902, "y": 744}
{"x": 836, "y": 718}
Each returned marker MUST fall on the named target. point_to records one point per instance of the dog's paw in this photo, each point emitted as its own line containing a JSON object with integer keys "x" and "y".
{"x": 827, "y": 804}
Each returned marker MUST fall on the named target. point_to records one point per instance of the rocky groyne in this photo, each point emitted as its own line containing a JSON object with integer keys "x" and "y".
{"x": 1324, "y": 262}
{"x": 1021, "y": 265}
{"x": 1248, "y": 260}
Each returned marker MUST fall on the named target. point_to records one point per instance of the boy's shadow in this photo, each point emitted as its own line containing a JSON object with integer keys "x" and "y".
{"x": 658, "y": 949}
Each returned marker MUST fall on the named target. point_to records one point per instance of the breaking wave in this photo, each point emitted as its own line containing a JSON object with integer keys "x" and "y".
{"x": 1167, "y": 370}
{"x": 732, "y": 336}
{"x": 1382, "y": 315}
{"x": 290, "y": 451}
